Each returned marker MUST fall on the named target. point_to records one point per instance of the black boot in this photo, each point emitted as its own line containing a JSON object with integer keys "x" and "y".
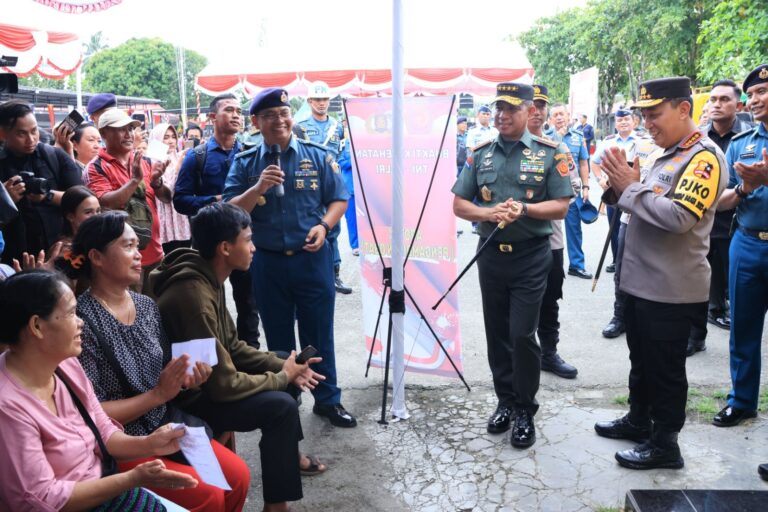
{"x": 553, "y": 363}
{"x": 695, "y": 346}
{"x": 635, "y": 425}
{"x": 340, "y": 286}
{"x": 661, "y": 451}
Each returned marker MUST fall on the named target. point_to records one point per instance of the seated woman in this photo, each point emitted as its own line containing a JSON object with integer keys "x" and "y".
{"x": 52, "y": 456}
{"x": 247, "y": 389}
{"x": 126, "y": 356}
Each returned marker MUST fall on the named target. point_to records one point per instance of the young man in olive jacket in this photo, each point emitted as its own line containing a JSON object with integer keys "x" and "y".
{"x": 247, "y": 388}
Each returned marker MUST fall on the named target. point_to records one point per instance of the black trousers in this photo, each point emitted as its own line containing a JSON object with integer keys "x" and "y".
{"x": 620, "y": 298}
{"x": 512, "y": 286}
{"x": 657, "y": 337}
{"x": 245, "y": 303}
{"x": 549, "y": 323}
{"x": 718, "y": 288}
{"x": 276, "y": 413}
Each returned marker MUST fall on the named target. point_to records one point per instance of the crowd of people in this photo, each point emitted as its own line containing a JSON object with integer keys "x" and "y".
{"x": 117, "y": 255}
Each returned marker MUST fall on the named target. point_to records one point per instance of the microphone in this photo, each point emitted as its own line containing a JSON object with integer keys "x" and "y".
{"x": 274, "y": 150}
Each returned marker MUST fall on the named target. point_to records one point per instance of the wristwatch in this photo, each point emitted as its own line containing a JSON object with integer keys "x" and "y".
{"x": 740, "y": 191}
{"x": 326, "y": 226}
{"x": 524, "y": 212}
{"x": 48, "y": 197}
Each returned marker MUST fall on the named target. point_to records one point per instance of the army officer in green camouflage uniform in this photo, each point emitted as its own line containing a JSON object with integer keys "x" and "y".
{"x": 521, "y": 180}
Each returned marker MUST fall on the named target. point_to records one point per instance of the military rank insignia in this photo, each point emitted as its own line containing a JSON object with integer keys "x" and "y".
{"x": 486, "y": 194}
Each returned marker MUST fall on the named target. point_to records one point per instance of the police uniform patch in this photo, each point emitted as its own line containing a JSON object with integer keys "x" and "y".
{"x": 657, "y": 189}
{"x": 697, "y": 189}
{"x": 562, "y": 168}
{"x": 749, "y": 151}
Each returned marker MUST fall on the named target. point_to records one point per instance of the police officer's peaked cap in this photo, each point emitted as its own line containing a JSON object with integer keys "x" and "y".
{"x": 622, "y": 112}
{"x": 100, "y": 102}
{"x": 759, "y": 75}
{"x": 653, "y": 92}
{"x": 269, "y": 98}
{"x": 587, "y": 211}
{"x": 540, "y": 92}
{"x": 461, "y": 119}
{"x": 513, "y": 93}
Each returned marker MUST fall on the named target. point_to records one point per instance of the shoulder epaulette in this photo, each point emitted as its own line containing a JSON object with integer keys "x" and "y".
{"x": 247, "y": 152}
{"x": 612, "y": 136}
{"x": 547, "y": 142}
{"x": 310, "y": 143}
{"x": 742, "y": 134}
{"x": 482, "y": 144}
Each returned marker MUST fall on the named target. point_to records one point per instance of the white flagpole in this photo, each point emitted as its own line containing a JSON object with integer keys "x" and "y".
{"x": 398, "y": 409}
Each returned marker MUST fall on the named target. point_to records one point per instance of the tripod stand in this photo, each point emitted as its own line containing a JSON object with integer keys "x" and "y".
{"x": 397, "y": 297}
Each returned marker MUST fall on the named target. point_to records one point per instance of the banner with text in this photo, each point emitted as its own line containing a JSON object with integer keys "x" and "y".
{"x": 432, "y": 265}
{"x": 584, "y": 93}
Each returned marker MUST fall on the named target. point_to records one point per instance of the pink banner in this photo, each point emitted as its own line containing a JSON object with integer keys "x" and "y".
{"x": 432, "y": 264}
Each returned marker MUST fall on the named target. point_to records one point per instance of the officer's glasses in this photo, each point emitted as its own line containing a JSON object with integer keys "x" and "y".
{"x": 274, "y": 116}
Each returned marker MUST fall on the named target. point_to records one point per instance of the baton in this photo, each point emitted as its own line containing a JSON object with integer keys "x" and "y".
{"x": 498, "y": 228}
{"x": 611, "y": 227}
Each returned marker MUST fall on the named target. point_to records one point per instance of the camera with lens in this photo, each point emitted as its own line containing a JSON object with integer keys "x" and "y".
{"x": 33, "y": 184}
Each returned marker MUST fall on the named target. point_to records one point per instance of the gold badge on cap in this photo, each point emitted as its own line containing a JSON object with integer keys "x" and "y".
{"x": 486, "y": 193}
{"x": 763, "y": 73}
{"x": 284, "y": 97}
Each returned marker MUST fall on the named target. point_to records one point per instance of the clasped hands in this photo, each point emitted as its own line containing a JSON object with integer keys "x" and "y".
{"x": 620, "y": 174}
{"x": 507, "y": 212}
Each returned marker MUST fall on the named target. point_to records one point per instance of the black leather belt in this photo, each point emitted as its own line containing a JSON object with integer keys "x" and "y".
{"x": 289, "y": 252}
{"x": 755, "y": 233}
{"x": 508, "y": 247}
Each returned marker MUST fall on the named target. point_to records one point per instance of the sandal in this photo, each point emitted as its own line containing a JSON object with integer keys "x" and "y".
{"x": 315, "y": 466}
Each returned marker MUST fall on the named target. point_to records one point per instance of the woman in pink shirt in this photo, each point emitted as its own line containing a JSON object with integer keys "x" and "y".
{"x": 51, "y": 457}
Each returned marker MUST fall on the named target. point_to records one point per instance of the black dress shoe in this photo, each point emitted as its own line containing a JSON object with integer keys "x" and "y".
{"x": 732, "y": 416}
{"x": 762, "y": 470}
{"x": 614, "y": 329}
{"x": 695, "y": 346}
{"x": 341, "y": 287}
{"x": 579, "y": 273}
{"x": 611, "y": 268}
{"x": 523, "y": 431}
{"x": 553, "y": 363}
{"x": 721, "y": 321}
{"x": 337, "y": 414}
{"x": 649, "y": 455}
{"x": 499, "y": 420}
{"x": 622, "y": 428}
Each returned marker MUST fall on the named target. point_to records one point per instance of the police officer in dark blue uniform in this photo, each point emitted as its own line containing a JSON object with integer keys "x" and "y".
{"x": 293, "y": 266}
{"x": 747, "y": 158}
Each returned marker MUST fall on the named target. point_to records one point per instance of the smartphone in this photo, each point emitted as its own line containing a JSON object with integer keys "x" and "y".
{"x": 306, "y": 354}
{"x": 189, "y": 144}
{"x": 73, "y": 120}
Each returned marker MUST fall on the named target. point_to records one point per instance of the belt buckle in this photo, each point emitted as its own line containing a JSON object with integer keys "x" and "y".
{"x": 289, "y": 253}
{"x": 505, "y": 247}
{"x": 763, "y": 235}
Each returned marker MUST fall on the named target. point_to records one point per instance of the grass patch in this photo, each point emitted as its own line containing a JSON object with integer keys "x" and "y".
{"x": 619, "y": 400}
{"x": 609, "y": 509}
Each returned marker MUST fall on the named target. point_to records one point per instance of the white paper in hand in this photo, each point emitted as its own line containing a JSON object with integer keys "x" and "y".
{"x": 157, "y": 150}
{"x": 203, "y": 350}
{"x": 196, "y": 447}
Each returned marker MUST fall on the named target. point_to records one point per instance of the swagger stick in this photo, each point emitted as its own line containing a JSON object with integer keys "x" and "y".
{"x": 488, "y": 240}
{"x": 611, "y": 228}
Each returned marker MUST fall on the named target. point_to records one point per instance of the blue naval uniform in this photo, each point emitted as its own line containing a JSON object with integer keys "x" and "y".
{"x": 748, "y": 273}
{"x": 329, "y": 134}
{"x": 574, "y": 140}
{"x": 291, "y": 284}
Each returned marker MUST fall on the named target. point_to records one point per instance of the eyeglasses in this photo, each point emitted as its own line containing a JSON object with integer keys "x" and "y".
{"x": 274, "y": 116}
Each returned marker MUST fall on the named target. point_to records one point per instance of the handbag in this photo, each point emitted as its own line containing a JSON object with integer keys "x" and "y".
{"x": 172, "y": 413}
{"x": 132, "y": 500}
{"x": 140, "y": 216}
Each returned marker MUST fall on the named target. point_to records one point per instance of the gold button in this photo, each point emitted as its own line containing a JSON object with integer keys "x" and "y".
{"x": 505, "y": 247}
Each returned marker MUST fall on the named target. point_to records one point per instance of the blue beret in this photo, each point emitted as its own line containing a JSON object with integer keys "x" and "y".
{"x": 268, "y": 98}
{"x": 622, "y": 112}
{"x": 461, "y": 119}
{"x": 484, "y": 108}
{"x": 100, "y": 101}
{"x": 758, "y": 75}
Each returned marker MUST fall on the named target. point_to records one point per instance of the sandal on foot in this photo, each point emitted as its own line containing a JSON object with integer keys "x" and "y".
{"x": 315, "y": 466}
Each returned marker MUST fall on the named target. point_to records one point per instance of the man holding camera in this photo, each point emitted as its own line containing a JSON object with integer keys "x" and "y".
{"x": 35, "y": 176}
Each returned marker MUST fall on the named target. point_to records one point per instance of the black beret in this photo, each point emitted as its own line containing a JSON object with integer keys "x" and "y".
{"x": 461, "y": 119}
{"x": 268, "y": 98}
{"x": 100, "y": 101}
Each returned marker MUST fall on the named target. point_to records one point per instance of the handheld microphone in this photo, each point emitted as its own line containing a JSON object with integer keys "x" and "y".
{"x": 274, "y": 150}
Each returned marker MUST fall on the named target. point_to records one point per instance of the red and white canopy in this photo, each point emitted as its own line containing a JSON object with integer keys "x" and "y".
{"x": 50, "y": 54}
{"x": 363, "y": 71}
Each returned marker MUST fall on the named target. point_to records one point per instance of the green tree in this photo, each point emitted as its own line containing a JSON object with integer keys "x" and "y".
{"x": 40, "y": 82}
{"x": 142, "y": 67}
{"x": 734, "y": 40}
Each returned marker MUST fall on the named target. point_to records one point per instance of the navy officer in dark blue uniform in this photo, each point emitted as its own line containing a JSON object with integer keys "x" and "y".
{"x": 292, "y": 269}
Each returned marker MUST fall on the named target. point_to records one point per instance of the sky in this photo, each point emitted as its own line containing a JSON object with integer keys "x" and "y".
{"x": 227, "y": 32}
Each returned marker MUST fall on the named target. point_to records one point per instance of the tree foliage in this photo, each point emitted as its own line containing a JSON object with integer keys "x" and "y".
{"x": 142, "y": 67}
{"x": 734, "y": 40}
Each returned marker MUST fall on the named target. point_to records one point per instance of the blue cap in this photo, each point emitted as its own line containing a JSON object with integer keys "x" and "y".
{"x": 100, "y": 102}
{"x": 269, "y": 98}
{"x": 622, "y": 112}
{"x": 485, "y": 108}
{"x": 587, "y": 210}
{"x": 461, "y": 119}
